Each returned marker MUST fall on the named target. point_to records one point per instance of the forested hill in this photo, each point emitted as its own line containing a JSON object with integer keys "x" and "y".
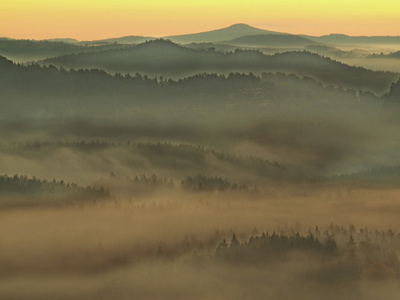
{"x": 39, "y": 92}
{"x": 164, "y": 58}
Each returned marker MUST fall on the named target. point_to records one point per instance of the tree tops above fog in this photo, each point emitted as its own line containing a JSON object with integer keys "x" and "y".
{"x": 344, "y": 253}
{"x": 269, "y": 247}
{"x": 394, "y": 94}
{"x": 35, "y": 190}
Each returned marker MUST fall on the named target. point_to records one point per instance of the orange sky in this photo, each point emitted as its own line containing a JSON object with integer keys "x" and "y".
{"x": 96, "y": 19}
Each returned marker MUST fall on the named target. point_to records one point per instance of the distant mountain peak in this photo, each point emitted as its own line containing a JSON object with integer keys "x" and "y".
{"x": 240, "y": 25}
{"x": 218, "y": 35}
{"x": 336, "y": 35}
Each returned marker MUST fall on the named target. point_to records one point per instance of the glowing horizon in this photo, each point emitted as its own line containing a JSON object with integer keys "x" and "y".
{"x": 90, "y": 20}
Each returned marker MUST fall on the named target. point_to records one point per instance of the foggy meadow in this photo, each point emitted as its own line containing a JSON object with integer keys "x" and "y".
{"x": 232, "y": 164}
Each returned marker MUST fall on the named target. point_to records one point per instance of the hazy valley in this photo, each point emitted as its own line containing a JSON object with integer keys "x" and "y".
{"x": 238, "y": 163}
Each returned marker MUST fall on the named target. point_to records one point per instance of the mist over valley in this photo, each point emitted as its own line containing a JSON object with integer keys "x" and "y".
{"x": 237, "y": 163}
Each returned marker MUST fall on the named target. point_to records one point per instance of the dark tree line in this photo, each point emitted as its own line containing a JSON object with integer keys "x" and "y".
{"x": 344, "y": 254}
{"x": 23, "y": 186}
{"x": 268, "y": 248}
{"x": 153, "y": 180}
{"x": 200, "y": 183}
{"x": 379, "y": 175}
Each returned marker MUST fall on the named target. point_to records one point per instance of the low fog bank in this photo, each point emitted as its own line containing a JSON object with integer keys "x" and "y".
{"x": 176, "y": 281}
{"x": 166, "y": 247}
{"x": 288, "y": 148}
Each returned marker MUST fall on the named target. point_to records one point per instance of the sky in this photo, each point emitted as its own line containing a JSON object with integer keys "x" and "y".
{"x": 97, "y": 19}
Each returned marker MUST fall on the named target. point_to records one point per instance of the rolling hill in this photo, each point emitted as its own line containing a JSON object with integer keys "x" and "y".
{"x": 165, "y": 58}
{"x": 46, "y": 92}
